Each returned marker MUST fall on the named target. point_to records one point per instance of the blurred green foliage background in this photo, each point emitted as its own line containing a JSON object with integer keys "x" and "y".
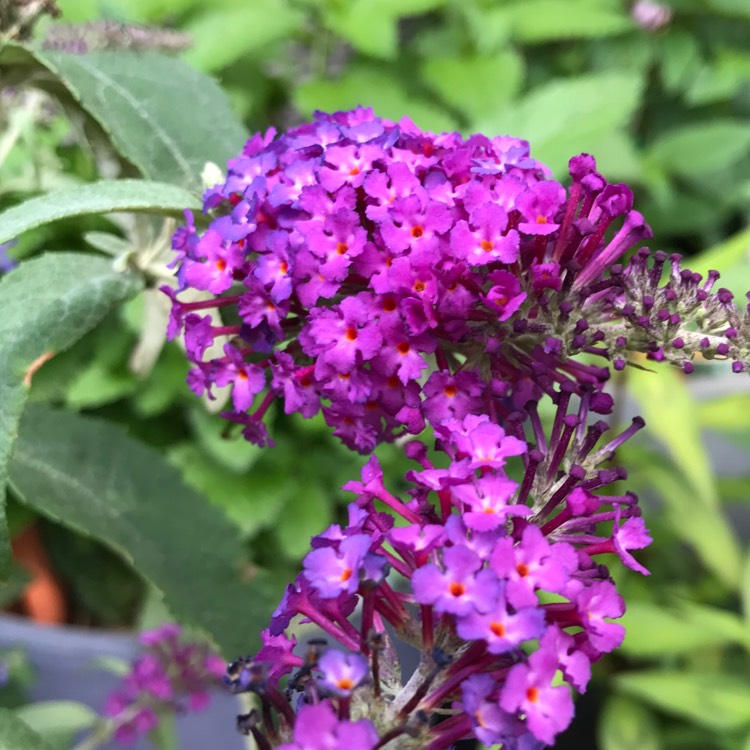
{"x": 662, "y": 101}
{"x": 665, "y": 109}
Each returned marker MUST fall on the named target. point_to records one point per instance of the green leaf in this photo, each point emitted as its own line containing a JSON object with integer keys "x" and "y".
{"x": 164, "y": 385}
{"x": 653, "y": 630}
{"x": 703, "y": 526}
{"x": 371, "y": 25}
{"x": 680, "y": 57}
{"x": 164, "y": 735}
{"x": 98, "y": 385}
{"x": 693, "y": 150}
{"x": 734, "y": 489}
{"x": 464, "y": 82}
{"x": 12, "y": 588}
{"x": 721, "y": 80}
{"x": 251, "y": 501}
{"x": 731, "y": 257}
{"x": 141, "y": 11}
{"x": 490, "y": 28}
{"x": 717, "y": 701}
{"x": 670, "y": 413}
{"x": 307, "y": 512}
{"x": 223, "y": 35}
{"x": 366, "y": 29}
{"x": 725, "y": 624}
{"x": 104, "y": 376}
{"x": 539, "y": 21}
{"x": 234, "y": 453}
{"x": 91, "y": 476}
{"x": 100, "y": 197}
{"x": 79, "y": 10}
{"x": 406, "y": 8}
{"x": 15, "y": 734}
{"x": 675, "y": 210}
{"x": 617, "y": 155}
{"x": 728, "y": 413}
{"x": 731, "y": 8}
{"x": 114, "y": 665}
{"x": 163, "y": 116}
{"x": 109, "y": 597}
{"x": 374, "y": 88}
{"x": 153, "y": 613}
{"x": 627, "y": 725}
{"x": 57, "y": 722}
{"x": 570, "y": 115}
{"x": 745, "y": 593}
{"x": 48, "y": 304}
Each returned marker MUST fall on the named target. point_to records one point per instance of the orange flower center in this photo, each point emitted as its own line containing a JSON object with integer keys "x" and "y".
{"x": 457, "y": 589}
{"x": 498, "y": 629}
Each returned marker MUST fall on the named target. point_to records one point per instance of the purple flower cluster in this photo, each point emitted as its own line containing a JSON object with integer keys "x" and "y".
{"x": 171, "y": 676}
{"x": 393, "y": 277}
{"x": 397, "y": 280}
{"x": 497, "y": 583}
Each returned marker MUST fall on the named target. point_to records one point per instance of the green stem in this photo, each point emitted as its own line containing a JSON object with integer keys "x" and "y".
{"x": 19, "y": 120}
{"x": 101, "y": 734}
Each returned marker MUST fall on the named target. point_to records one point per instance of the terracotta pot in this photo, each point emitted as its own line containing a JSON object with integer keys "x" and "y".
{"x": 43, "y": 600}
